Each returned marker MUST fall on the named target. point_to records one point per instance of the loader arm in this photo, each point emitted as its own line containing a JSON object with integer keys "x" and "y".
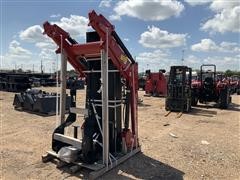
{"x": 77, "y": 54}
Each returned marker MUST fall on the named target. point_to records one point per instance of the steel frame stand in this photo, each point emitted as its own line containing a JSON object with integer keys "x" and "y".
{"x": 101, "y": 167}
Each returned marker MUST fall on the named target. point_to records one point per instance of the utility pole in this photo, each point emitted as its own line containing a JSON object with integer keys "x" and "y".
{"x": 41, "y": 67}
{"x": 182, "y": 56}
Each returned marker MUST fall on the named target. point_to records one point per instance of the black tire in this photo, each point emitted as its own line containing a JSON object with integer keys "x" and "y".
{"x": 188, "y": 106}
{"x": 238, "y": 91}
{"x": 194, "y": 97}
{"x": 166, "y": 105}
{"x": 224, "y": 98}
{"x": 194, "y": 100}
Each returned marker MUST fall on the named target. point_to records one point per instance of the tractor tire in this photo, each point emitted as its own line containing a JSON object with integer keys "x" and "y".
{"x": 224, "y": 98}
{"x": 166, "y": 105}
{"x": 188, "y": 106}
{"x": 194, "y": 98}
{"x": 238, "y": 91}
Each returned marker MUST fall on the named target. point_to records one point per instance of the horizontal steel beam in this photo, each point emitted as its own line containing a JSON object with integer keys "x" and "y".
{"x": 69, "y": 140}
{"x": 82, "y": 111}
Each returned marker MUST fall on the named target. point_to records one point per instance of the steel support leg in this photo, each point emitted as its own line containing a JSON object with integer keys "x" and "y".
{"x": 105, "y": 120}
{"x": 63, "y": 87}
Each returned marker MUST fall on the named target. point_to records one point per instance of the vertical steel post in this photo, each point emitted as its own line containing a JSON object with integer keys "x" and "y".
{"x": 134, "y": 105}
{"x": 57, "y": 90}
{"x": 105, "y": 120}
{"x": 63, "y": 86}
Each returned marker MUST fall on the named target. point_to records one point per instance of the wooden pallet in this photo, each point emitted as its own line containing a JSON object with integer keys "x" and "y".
{"x": 97, "y": 169}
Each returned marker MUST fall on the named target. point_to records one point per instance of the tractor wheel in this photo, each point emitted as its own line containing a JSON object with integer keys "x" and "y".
{"x": 224, "y": 98}
{"x": 238, "y": 91}
{"x": 194, "y": 98}
{"x": 166, "y": 105}
{"x": 188, "y": 106}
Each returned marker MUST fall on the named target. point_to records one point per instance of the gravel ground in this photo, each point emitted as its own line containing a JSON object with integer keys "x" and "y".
{"x": 203, "y": 144}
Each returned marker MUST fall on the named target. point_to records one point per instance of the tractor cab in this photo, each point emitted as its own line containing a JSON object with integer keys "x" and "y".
{"x": 179, "y": 89}
{"x": 211, "y": 88}
{"x": 208, "y": 79}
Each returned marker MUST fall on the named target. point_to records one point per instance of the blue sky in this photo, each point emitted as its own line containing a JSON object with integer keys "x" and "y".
{"x": 155, "y": 32}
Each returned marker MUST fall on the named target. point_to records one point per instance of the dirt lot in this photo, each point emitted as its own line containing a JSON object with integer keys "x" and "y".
{"x": 204, "y": 144}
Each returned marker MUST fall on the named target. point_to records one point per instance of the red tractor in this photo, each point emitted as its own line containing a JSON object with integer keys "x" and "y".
{"x": 235, "y": 84}
{"x": 156, "y": 83}
{"x": 209, "y": 89}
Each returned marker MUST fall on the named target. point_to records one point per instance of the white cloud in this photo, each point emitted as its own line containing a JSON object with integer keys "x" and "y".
{"x": 224, "y": 63}
{"x": 126, "y": 39}
{"x": 47, "y": 54}
{"x": 192, "y": 61}
{"x": 75, "y": 25}
{"x": 205, "y": 45}
{"x": 156, "y": 10}
{"x": 220, "y": 5}
{"x": 32, "y": 34}
{"x": 22, "y": 58}
{"x": 229, "y": 47}
{"x": 197, "y": 2}
{"x": 155, "y": 60}
{"x": 208, "y": 45}
{"x": 45, "y": 45}
{"x": 227, "y": 17}
{"x": 115, "y": 17}
{"x": 153, "y": 56}
{"x": 15, "y": 55}
{"x": 55, "y": 15}
{"x": 105, "y": 3}
{"x": 157, "y": 38}
{"x": 16, "y": 51}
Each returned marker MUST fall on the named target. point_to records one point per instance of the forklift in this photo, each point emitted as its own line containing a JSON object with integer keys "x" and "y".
{"x": 179, "y": 89}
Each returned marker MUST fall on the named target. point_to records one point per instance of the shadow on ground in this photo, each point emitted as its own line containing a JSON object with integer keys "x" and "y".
{"x": 139, "y": 166}
{"x": 231, "y": 107}
{"x": 142, "y": 104}
{"x": 203, "y": 112}
{"x": 234, "y": 107}
{"x": 144, "y": 167}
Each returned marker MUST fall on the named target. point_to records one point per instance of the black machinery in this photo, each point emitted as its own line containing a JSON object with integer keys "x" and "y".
{"x": 73, "y": 83}
{"x": 179, "y": 89}
{"x": 38, "y": 101}
{"x": 14, "y": 82}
